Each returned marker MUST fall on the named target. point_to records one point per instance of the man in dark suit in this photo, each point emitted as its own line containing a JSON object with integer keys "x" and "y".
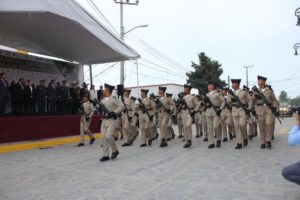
{"x": 100, "y": 93}
{"x": 64, "y": 97}
{"x": 20, "y": 96}
{"x": 41, "y": 95}
{"x": 58, "y": 98}
{"x": 4, "y": 94}
{"x": 29, "y": 97}
{"x": 74, "y": 95}
{"x": 52, "y": 96}
{"x": 12, "y": 90}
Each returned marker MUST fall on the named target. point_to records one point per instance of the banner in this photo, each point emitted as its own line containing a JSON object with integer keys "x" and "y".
{"x": 33, "y": 68}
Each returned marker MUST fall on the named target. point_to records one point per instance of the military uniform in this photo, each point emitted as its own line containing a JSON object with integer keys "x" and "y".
{"x": 179, "y": 122}
{"x": 187, "y": 115}
{"x": 129, "y": 120}
{"x": 226, "y": 121}
{"x": 213, "y": 118}
{"x": 112, "y": 106}
{"x": 87, "y": 109}
{"x": 265, "y": 116}
{"x": 145, "y": 120}
{"x": 239, "y": 115}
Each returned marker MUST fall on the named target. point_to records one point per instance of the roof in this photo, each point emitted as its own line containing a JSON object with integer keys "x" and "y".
{"x": 60, "y": 29}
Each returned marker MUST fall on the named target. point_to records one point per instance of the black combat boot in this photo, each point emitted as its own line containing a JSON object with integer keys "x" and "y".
{"x": 92, "y": 141}
{"x": 114, "y": 155}
{"x": 218, "y": 144}
{"x": 245, "y": 142}
{"x": 180, "y": 136}
{"x": 238, "y": 146}
{"x": 143, "y": 145}
{"x": 230, "y": 136}
{"x": 269, "y": 145}
{"x": 163, "y": 143}
{"x": 211, "y": 146}
{"x": 188, "y": 144}
{"x": 104, "y": 158}
{"x": 197, "y": 136}
{"x": 263, "y": 146}
{"x": 205, "y": 140}
{"x": 225, "y": 140}
{"x": 149, "y": 142}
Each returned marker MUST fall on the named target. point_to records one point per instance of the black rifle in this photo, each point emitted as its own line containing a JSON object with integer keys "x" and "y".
{"x": 125, "y": 109}
{"x": 104, "y": 111}
{"x": 210, "y": 104}
{"x": 144, "y": 109}
{"x": 265, "y": 100}
{"x": 159, "y": 103}
{"x": 182, "y": 102}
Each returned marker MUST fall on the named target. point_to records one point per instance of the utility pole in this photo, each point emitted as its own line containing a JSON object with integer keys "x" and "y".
{"x": 137, "y": 75}
{"x": 247, "y": 67}
{"x": 122, "y": 31}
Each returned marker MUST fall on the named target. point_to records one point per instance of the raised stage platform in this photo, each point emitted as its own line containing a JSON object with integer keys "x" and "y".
{"x": 24, "y": 128}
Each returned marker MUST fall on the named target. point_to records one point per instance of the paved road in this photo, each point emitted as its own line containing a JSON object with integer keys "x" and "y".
{"x": 68, "y": 172}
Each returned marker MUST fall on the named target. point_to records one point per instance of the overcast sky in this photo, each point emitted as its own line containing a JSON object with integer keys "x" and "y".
{"x": 234, "y": 32}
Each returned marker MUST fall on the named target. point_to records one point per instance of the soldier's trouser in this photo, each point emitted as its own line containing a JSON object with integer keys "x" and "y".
{"x": 213, "y": 126}
{"x": 85, "y": 129}
{"x": 146, "y": 130}
{"x": 187, "y": 126}
{"x": 164, "y": 119}
{"x": 108, "y": 127}
{"x": 240, "y": 127}
{"x": 204, "y": 125}
{"x": 265, "y": 127}
{"x": 180, "y": 126}
{"x": 198, "y": 129}
{"x": 273, "y": 125}
{"x": 129, "y": 128}
{"x": 224, "y": 129}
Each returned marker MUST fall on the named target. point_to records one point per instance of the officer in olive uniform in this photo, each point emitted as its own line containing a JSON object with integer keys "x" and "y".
{"x": 87, "y": 109}
{"x": 226, "y": 118}
{"x": 129, "y": 118}
{"x": 264, "y": 112}
{"x": 146, "y": 112}
{"x": 187, "y": 114}
{"x": 213, "y": 115}
{"x": 241, "y": 104}
{"x": 111, "y": 107}
{"x": 198, "y": 118}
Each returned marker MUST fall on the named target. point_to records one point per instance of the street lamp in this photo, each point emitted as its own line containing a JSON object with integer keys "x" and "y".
{"x": 296, "y": 47}
{"x": 297, "y": 14}
{"x": 140, "y": 26}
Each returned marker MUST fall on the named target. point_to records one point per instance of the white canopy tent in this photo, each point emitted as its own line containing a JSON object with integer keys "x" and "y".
{"x": 59, "y": 28}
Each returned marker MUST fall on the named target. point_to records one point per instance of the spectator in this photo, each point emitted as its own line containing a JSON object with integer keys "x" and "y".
{"x": 13, "y": 94}
{"x": 41, "y": 94}
{"x": 4, "y": 94}
{"x": 29, "y": 97}
{"x": 52, "y": 96}
{"x": 84, "y": 91}
{"x": 100, "y": 93}
{"x": 93, "y": 93}
{"x": 65, "y": 94}
{"x": 292, "y": 172}
{"x": 58, "y": 97}
{"x": 74, "y": 95}
{"x": 20, "y": 96}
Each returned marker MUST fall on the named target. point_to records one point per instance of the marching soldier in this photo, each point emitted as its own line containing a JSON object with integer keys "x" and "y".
{"x": 252, "y": 122}
{"x": 146, "y": 112}
{"x": 165, "y": 106}
{"x": 87, "y": 109}
{"x": 179, "y": 120}
{"x": 214, "y": 105}
{"x": 170, "y": 131}
{"x": 241, "y": 103}
{"x": 266, "y": 105}
{"x": 198, "y": 119}
{"x": 226, "y": 119}
{"x": 189, "y": 107}
{"x": 128, "y": 118}
{"x": 202, "y": 110}
{"x": 273, "y": 119}
{"x": 111, "y": 107}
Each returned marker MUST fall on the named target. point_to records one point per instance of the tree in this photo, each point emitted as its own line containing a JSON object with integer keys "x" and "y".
{"x": 283, "y": 97}
{"x": 295, "y": 101}
{"x": 207, "y": 70}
